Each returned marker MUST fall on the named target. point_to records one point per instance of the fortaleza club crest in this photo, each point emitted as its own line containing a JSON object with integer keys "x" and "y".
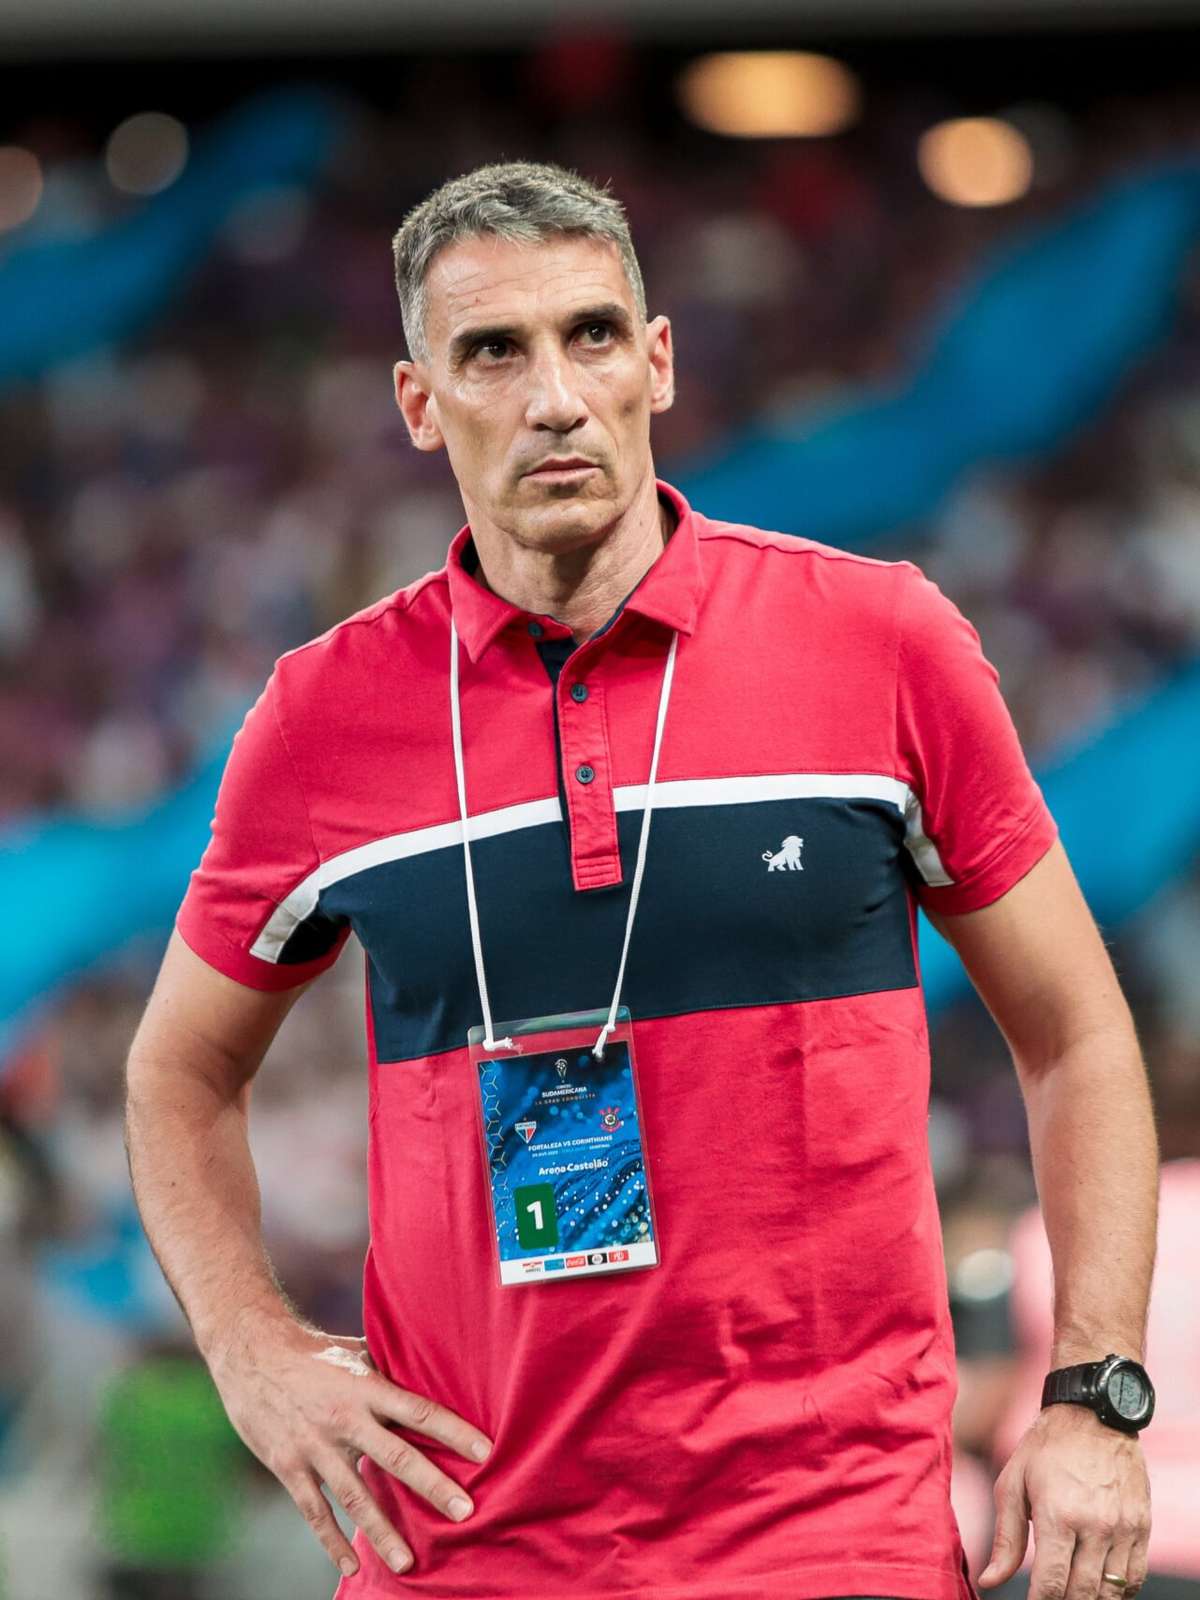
{"x": 526, "y": 1130}
{"x": 610, "y": 1118}
{"x": 787, "y": 857}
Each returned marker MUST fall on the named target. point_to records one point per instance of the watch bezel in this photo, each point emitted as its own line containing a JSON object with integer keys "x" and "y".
{"x": 1102, "y": 1400}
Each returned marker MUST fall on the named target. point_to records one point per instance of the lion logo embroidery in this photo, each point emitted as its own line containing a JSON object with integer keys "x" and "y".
{"x": 788, "y": 857}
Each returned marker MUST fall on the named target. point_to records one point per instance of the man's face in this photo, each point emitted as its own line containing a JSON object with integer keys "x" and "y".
{"x": 537, "y": 357}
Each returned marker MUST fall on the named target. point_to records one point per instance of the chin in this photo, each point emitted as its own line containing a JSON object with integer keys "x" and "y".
{"x": 566, "y": 523}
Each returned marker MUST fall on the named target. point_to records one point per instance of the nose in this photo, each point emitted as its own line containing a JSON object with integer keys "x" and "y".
{"x": 554, "y": 400}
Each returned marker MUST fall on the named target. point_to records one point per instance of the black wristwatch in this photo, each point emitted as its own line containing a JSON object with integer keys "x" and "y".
{"x": 1117, "y": 1389}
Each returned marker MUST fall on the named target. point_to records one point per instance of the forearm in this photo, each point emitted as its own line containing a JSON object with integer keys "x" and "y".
{"x": 196, "y": 1189}
{"x": 1095, "y": 1160}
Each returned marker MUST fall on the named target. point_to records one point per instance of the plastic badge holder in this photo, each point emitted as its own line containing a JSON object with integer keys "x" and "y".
{"x": 564, "y": 1157}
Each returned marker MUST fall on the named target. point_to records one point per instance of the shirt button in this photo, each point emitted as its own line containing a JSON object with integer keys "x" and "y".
{"x": 536, "y": 630}
{"x": 584, "y": 774}
{"x": 579, "y": 691}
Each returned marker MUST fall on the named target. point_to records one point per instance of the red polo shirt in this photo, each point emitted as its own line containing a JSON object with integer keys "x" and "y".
{"x": 768, "y": 1411}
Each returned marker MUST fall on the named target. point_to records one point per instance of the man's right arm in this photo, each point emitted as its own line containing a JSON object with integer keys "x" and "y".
{"x": 200, "y": 1042}
{"x": 307, "y": 1403}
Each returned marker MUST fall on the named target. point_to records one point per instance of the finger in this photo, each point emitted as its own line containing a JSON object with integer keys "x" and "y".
{"x": 406, "y": 1462}
{"x": 354, "y": 1496}
{"x": 1091, "y": 1559}
{"x": 426, "y": 1416}
{"x": 1139, "y": 1563}
{"x": 1053, "y": 1553}
{"x": 1012, "y": 1532}
{"x": 315, "y": 1509}
{"x": 1117, "y": 1560}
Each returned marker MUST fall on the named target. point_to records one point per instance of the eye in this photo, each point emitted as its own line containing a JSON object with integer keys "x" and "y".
{"x": 597, "y": 332}
{"x": 490, "y": 349}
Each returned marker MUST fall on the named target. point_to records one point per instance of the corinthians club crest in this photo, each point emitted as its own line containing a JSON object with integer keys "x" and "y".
{"x": 610, "y": 1118}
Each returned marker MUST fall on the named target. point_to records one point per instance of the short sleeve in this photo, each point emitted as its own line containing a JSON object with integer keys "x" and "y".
{"x": 976, "y": 820}
{"x": 252, "y": 908}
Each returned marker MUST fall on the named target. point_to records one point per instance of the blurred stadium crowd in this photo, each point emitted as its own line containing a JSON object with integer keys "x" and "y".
{"x": 176, "y": 512}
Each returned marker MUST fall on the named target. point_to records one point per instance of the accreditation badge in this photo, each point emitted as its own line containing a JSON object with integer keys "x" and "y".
{"x": 564, "y": 1158}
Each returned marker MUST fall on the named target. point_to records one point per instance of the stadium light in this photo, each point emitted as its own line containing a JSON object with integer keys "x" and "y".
{"x": 770, "y": 94}
{"x": 976, "y": 161}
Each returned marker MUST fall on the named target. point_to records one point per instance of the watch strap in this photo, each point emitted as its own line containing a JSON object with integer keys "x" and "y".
{"x": 1071, "y": 1383}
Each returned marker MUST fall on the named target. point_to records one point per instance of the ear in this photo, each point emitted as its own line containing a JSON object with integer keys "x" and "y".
{"x": 660, "y": 354}
{"x": 417, "y": 406}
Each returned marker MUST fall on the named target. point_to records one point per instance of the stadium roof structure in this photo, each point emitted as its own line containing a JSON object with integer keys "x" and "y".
{"x": 75, "y": 27}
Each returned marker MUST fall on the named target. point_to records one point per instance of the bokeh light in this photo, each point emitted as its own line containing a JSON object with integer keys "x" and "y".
{"x": 976, "y": 161}
{"x": 146, "y": 153}
{"x": 770, "y": 94}
{"x": 20, "y": 186}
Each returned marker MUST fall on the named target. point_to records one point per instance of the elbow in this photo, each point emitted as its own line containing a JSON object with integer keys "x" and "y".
{"x": 1105, "y": 1047}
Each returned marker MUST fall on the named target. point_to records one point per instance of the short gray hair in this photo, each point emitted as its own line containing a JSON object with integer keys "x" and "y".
{"x": 523, "y": 202}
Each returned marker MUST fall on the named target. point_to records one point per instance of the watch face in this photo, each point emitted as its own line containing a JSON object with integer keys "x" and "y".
{"x": 1128, "y": 1393}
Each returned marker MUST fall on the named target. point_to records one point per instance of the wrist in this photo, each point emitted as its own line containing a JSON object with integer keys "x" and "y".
{"x": 245, "y": 1326}
{"x": 1070, "y": 1350}
{"x": 1066, "y": 1422}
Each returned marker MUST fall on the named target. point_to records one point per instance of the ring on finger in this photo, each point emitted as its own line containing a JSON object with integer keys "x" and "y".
{"x": 1115, "y": 1579}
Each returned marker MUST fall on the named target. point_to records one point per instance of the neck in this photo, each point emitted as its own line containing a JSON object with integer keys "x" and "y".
{"x": 581, "y": 588}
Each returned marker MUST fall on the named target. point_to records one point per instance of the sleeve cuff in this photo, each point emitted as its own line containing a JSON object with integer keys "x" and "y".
{"x": 203, "y": 940}
{"x": 1002, "y": 870}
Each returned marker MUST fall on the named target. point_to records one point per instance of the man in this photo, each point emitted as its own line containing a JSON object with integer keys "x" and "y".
{"x": 761, "y": 1408}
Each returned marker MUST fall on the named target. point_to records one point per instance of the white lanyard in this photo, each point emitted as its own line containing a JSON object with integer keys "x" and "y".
{"x": 473, "y": 911}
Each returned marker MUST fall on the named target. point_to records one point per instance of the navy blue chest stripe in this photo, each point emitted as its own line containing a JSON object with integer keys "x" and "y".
{"x": 296, "y": 917}
{"x": 771, "y": 902}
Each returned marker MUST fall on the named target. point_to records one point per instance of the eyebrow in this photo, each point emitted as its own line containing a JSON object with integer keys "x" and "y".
{"x": 606, "y": 311}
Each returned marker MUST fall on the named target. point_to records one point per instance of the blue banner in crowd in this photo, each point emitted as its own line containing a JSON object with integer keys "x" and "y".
{"x": 1127, "y": 803}
{"x": 86, "y": 888}
{"x": 63, "y": 297}
{"x": 1028, "y": 351}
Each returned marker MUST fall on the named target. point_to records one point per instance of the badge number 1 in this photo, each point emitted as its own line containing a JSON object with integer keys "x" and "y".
{"x": 537, "y": 1220}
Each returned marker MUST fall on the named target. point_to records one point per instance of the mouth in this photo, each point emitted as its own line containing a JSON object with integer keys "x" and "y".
{"x": 574, "y": 466}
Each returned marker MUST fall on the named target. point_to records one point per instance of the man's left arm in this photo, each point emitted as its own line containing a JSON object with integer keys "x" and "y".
{"x": 1040, "y": 965}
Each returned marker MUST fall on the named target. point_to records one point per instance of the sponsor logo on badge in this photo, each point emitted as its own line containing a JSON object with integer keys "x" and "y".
{"x": 610, "y": 1118}
{"x": 615, "y": 1255}
{"x": 787, "y": 857}
{"x": 526, "y": 1130}
{"x": 554, "y": 1265}
{"x": 532, "y": 1266}
{"x": 577, "y": 1261}
{"x": 597, "y": 1258}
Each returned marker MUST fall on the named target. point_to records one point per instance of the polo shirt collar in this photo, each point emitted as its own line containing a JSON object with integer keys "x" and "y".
{"x": 669, "y": 592}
